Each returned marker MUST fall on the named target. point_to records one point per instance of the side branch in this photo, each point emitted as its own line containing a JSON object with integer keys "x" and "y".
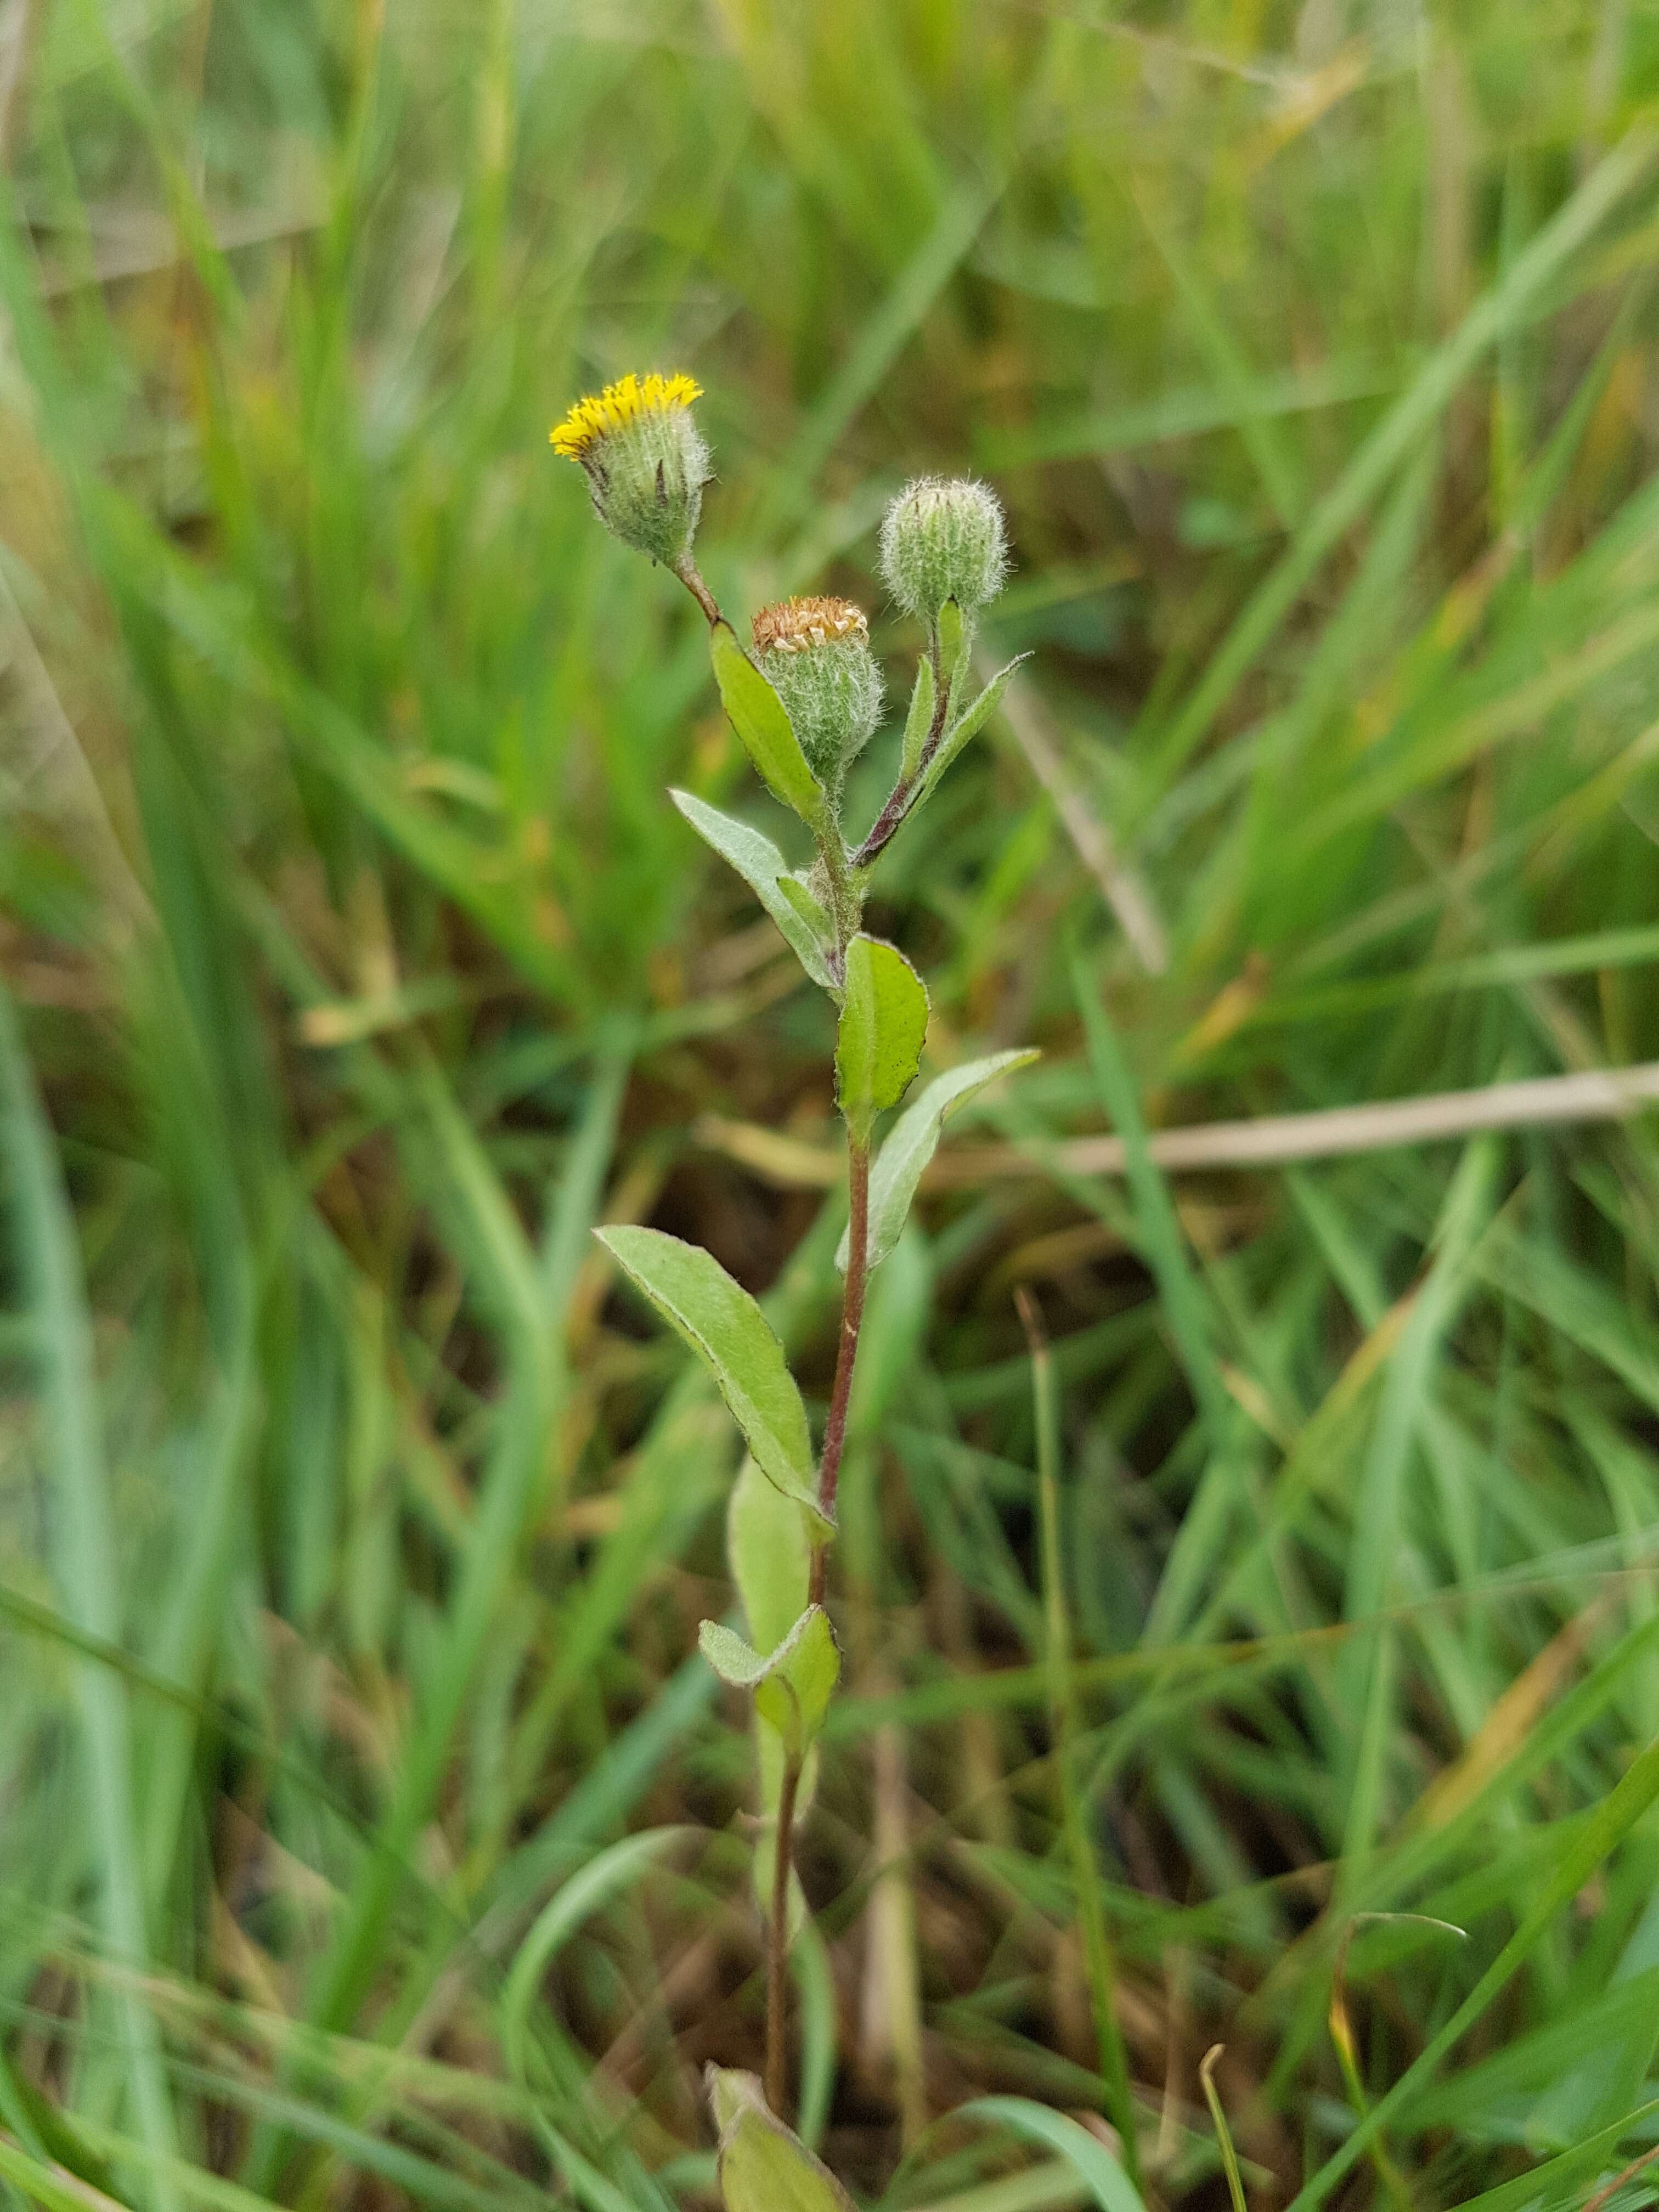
{"x": 903, "y": 791}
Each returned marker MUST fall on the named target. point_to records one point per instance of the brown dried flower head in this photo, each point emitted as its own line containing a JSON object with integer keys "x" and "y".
{"x": 796, "y": 625}
{"x": 815, "y": 653}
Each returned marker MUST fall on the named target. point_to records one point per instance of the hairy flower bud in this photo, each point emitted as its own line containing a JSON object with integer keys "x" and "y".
{"x": 943, "y": 539}
{"x": 647, "y": 463}
{"x": 815, "y": 653}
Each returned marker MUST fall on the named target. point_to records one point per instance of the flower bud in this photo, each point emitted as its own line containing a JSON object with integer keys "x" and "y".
{"x": 943, "y": 540}
{"x": 647, "y": 463}
{"x": 815, "y": 653}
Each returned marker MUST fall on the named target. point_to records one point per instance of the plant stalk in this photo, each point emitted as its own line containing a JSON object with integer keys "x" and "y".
{"x": 691, "y": 577}
{"x": 835, "y": 1440}
{"x": 777, "y": 1941}
{"x": 852, "y": 1321}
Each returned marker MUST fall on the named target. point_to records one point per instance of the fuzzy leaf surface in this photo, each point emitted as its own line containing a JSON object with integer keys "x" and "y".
{"x": 968, "y": 725}
{"x": 793, "y": 1684}
{"x": 759, "y": 718}
{"x": 804, "y": 924}
{"x": 796, "y": 889}
{"x": 768, "y": 1549}
{"x": 919, "y": 720}
{"x": 763, "y": 2165}
{"x": 724, "y": 1327}
{"x": 884, "y": 1025}
{"x": 954, "y": 645}
{"x": 912, "y": 1143}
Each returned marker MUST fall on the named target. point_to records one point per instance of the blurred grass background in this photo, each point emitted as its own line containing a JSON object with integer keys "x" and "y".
{"x": 355, "y": 1531}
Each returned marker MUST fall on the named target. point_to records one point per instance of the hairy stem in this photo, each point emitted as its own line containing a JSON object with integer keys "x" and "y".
{"x": 845, "y": 900}
{"x": 777, "y": 1941}
{"x": 852, "y": 1321}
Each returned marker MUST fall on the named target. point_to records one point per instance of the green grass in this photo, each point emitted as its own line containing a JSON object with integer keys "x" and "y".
{"x": 354, "y": 1528}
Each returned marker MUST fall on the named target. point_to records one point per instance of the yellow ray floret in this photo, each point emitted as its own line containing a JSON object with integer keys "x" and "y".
{"x": 618, "y": 405}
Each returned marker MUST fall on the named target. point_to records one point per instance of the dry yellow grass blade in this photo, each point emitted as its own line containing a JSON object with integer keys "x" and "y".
{"x": 1272, "y": 1140}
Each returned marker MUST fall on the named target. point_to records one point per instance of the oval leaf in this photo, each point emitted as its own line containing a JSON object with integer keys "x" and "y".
{"x": 794, "y": 888}
{"x": 759, "y": 718}
{"x": 722, "y": 1323}
{"x": 884, "y": 1025}
{"x": 912, "y": 1143}
{"x": 804, "y": 924}
{"x": 769, "y": 1551}
{"x": 763, "y": 2167}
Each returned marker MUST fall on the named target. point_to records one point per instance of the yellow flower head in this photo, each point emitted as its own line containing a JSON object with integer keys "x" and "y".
{"x": 617, "y": 406}
{"x": 645, "y": 461}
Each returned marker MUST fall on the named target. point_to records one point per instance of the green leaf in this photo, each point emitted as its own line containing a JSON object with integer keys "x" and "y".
{"x": 955, "y": 643}
{"x": 763, "y": 2167}
{"x": 912, "y": 1143}
{"x": 759, "y": 718}
{"x": 919, "y": 718}
{"x": 804, "y": 923}
{"x": 793, "y": 1684}
{"x": 968, "y": 725}
{"x": 796, "y": 889}
{"x": 884, "y": 1025}
{"x": 721, "y": 1322}
{"x": 769, "y": 1548}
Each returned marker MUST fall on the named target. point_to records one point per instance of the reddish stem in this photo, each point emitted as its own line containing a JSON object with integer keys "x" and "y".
{"x": 898, "y": 802}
